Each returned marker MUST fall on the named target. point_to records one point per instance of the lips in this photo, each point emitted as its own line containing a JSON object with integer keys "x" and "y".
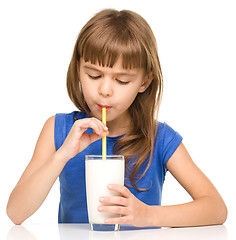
{"x": 100, "y": 106}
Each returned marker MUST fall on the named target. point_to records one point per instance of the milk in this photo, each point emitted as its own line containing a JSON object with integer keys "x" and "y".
{"x": 100, "y": 173}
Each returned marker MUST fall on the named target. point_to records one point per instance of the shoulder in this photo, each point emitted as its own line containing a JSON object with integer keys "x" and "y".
{"x": 50, "y": 122}
{"x": 67, "y": 119}
{"x": 48, "y": 128}
{"x": 70, "y": 116}
{"x": 165, "y": 132}
{"x": 45, "y": 143}
{"x": 167, "y": 141}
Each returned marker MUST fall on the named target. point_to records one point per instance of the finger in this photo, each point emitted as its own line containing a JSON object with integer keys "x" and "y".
{"x": 104, "y": 127}
{"x": 97, "y": 128}
{"x": 82, "y": 125}
{"x": 114, "y": 200}
{"x": 119, "y": 188}
{"x": 113, "y": 209}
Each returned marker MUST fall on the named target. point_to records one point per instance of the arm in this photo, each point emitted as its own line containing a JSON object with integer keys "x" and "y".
{"x": 207, "y": 207}
{"x": 37, "y": 179}
{"x": 46, "y": 165}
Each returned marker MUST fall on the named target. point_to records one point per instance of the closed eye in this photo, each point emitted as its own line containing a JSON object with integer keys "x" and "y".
{"x": 121, "y": 82}
{"x": 94, "y": 77}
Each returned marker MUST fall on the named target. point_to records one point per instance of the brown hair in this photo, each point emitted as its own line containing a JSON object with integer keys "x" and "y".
{"x": 107, "y": 36}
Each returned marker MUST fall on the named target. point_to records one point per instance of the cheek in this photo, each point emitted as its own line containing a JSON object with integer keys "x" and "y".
{"x": 86, "y": 97}
{"x": 127, "y": 98}
{"x": 87, "y": 91}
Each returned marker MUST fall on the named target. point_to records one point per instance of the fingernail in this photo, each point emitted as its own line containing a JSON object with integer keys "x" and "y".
{"x": 106, "y": 127}
{"x": 109, "y": 186}
{"x": 101, "y": 199}
{"x": 100, "y": 209}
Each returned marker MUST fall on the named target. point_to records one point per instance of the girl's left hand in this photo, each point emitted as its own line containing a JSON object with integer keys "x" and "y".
{"x": 132, "y": 210}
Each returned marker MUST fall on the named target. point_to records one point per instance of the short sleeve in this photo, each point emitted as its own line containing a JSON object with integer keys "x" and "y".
{"x": 171, "y": 141}
{"x": 59, "y": 129}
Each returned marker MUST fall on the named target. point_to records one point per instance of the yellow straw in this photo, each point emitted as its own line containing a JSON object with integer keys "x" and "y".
{"x": 104, "y": 139}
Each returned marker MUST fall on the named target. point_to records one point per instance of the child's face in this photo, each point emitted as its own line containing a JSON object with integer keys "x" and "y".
{"x": 115, "y": 88}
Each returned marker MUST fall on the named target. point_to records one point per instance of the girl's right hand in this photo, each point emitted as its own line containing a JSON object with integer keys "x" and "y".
{"x": 77, "y": 139}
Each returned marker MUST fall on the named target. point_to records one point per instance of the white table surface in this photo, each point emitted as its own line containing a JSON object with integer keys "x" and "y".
{"x": 81, "y": 231}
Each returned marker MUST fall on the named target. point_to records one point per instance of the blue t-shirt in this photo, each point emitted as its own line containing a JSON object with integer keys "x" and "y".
{"x": 73, "y": 205}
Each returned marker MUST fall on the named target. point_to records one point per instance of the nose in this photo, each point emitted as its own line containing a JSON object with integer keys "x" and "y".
{"x": 105, "y": 87}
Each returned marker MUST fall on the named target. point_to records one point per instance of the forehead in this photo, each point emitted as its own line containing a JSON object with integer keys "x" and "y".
{"x": 117, "y": 68}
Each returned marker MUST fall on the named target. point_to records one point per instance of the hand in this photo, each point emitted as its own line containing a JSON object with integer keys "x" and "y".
{"x": 77, "y": 139}
{"x": 133, "y": 211}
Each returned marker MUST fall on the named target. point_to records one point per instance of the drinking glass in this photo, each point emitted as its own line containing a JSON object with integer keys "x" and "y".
{"x": 100, "y": 172}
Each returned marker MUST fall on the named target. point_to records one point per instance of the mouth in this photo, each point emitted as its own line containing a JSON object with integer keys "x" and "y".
{"x": 102, "y": 106}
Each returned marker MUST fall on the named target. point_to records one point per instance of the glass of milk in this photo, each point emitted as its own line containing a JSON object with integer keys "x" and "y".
{"x": 99, "y": 174}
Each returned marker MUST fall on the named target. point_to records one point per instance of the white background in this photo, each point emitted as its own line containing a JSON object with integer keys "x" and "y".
{"x": 197, "y": 50}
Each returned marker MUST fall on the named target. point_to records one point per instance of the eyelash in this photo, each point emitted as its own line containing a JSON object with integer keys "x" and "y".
{"x": 94, "y": 77}
{"x": 97, "y": 77}
{"x": 121, "y": 82}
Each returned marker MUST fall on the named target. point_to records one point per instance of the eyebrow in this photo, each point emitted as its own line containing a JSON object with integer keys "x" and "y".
{"x": 116, "y": 73}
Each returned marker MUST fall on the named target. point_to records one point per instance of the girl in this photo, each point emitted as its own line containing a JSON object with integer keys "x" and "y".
{"x": 115, "y": 65}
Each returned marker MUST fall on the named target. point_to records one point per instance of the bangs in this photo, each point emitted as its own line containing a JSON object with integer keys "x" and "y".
{"x": 105, "y": 46}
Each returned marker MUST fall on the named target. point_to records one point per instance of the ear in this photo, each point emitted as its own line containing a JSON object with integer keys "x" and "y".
{"x": 146, "y": 82}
